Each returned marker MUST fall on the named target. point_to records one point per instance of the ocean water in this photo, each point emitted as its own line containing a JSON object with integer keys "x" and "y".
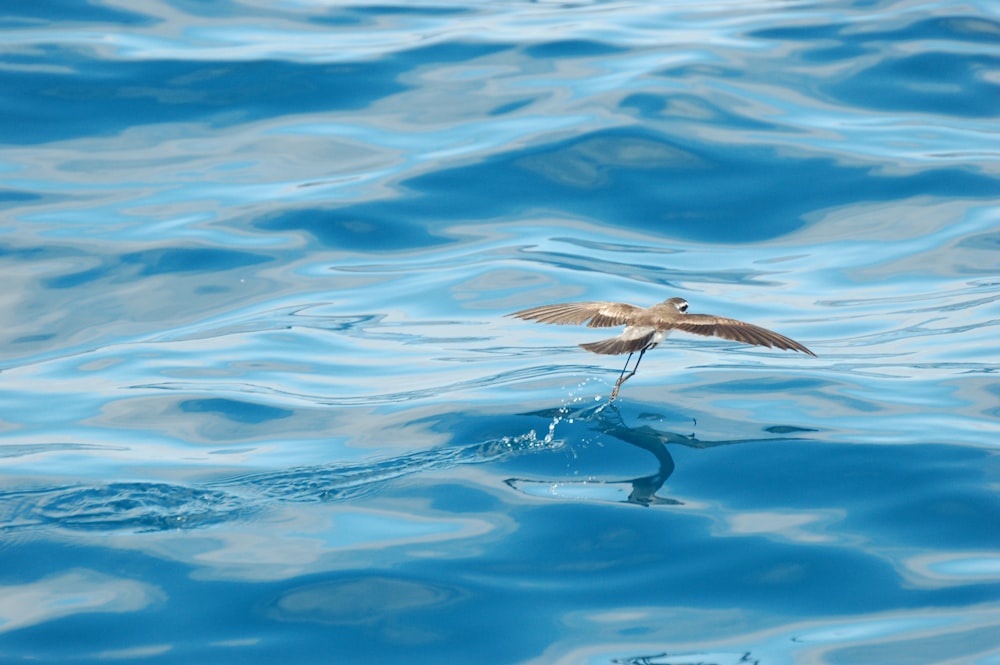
{"x": 260, "y": 401}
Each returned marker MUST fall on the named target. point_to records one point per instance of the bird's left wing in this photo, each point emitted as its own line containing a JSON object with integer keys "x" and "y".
{"x": 600, "y": 314}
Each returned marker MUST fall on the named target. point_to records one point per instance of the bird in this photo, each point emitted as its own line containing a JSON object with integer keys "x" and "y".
{"x": 645, "y": 327}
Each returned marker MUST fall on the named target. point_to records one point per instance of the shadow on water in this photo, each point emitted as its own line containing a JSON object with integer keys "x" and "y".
{"x": 158, "y": 506}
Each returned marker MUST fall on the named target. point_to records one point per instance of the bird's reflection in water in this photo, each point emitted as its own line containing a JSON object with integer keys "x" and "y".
{"x": 607, "y": 419}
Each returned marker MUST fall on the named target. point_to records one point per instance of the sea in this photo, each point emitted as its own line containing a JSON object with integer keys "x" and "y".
{"x": 262, "y": 399}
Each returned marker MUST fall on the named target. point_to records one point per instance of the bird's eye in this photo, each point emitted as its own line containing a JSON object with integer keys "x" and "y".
{"x": 683, "y": 306}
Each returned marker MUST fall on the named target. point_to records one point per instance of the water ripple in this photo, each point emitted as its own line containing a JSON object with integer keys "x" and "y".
{"x": 141, "y": 507}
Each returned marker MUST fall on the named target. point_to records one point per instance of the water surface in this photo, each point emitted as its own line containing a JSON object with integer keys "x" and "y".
{"x": 259, "y": 399}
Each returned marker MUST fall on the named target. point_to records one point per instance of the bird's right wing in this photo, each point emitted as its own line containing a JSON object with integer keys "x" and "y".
{"x": 738, "y": 331}
{"x": 600, "y": 314}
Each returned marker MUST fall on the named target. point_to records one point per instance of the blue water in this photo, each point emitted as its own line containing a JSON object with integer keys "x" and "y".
{"x": 260, "y": 402}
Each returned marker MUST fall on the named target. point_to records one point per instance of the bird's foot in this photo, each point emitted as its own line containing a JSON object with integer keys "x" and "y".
{"x": 618, "y": 384}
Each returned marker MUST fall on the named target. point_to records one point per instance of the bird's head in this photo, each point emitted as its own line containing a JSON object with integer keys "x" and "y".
{"x": 679, "y": 303}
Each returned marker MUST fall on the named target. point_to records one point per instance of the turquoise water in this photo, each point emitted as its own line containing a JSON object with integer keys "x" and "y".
{"x": 260, "y": 401}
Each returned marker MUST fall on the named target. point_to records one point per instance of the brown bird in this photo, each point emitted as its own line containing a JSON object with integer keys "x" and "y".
{"x": 645, "y": 327}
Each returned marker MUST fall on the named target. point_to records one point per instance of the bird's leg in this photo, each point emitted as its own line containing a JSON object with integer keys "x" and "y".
{"x": 620, "y": 379}
{"x": 623, "y": 377}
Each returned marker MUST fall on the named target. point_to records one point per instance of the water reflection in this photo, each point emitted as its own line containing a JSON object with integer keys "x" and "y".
{"x": 363, "y": 602}
{"x": 73, "y": 591}
{"x": 161, "y": 506}
{"x": 607, "y": 419}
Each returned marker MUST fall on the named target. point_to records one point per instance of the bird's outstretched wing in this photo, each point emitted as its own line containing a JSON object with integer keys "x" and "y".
{"x": 737, "y": 331}
{"x": 600, "y": 314}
